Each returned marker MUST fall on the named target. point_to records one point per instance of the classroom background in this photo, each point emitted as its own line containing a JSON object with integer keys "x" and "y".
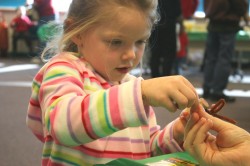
{"x": 20, "y": 147}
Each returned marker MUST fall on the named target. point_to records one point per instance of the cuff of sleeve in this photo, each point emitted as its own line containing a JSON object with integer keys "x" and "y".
{"x": 134, "y": 112}
{"x": 144, "y": 108}
{"x": 170, "y": 142}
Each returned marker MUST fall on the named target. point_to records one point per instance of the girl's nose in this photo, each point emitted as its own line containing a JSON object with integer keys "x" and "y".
{"x": 130, "y": 53}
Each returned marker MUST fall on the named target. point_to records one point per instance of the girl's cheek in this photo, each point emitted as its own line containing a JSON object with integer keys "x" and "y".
{"x": 140, "y": 54}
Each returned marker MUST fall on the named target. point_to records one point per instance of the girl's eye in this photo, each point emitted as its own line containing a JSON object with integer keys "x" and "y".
{"x": 114, "y": 42}
{"x": 141, "y": 42}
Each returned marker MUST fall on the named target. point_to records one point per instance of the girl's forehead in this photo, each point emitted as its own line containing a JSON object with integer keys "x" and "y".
{"x": 129, "y": 14}
{"x": 127, "y": 22}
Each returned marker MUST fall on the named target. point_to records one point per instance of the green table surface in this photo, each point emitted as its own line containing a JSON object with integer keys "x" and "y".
{"x": 201, "y": 36}
{"x": 129, "y": 162}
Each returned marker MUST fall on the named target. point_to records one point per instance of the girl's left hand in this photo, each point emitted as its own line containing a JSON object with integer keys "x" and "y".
{"x": 179, "y": 125}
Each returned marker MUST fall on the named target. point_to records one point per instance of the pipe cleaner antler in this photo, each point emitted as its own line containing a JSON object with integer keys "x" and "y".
{"x": 215, "y": 108}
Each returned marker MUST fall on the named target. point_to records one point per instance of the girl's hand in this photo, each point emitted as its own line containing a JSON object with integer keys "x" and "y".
{"x": 172, "y": 92}
{"x": 179, "y": 126}
{"x": 231, "y": 145}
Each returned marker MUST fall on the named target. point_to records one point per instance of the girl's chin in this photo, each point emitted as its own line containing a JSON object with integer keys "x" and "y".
{"x": 117, "y": 78}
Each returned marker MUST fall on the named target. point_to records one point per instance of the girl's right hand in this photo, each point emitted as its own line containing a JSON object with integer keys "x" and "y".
{"x": 171, "y": 92}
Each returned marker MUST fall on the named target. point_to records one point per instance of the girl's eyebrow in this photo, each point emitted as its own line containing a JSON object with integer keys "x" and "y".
{"x": 115, "y": 34}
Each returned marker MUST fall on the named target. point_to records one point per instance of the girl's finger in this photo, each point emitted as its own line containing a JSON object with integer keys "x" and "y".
{"x": 180, "y": 99}
{"x": 185, "y": 114}
{"x": 183, "y": 98}
{"x": 190, "y": 96}
{"x": 170, "y": 105}
{"x": 190, "y": 129}
{"x": 190, "y": 86}
{"x": 194, "y": 117}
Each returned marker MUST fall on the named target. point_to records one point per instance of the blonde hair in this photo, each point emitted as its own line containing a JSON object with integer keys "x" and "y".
{"x": 84, "y": 14}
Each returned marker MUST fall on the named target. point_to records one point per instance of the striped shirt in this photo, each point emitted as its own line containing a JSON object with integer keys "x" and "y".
{"x": 84, "y": 120}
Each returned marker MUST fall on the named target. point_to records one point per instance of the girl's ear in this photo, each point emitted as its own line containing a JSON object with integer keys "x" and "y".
{"x": 67, "y": 27}
{"x": 77, "y": 39}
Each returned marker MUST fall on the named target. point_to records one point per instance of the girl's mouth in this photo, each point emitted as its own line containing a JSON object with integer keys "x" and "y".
{"x": 123, "y": 70}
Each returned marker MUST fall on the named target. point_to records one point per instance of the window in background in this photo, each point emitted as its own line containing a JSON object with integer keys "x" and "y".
{"x": 29, "y": 2}
{"x": 61, "y": 5}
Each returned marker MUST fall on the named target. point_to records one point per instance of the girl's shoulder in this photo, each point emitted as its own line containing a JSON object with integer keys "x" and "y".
{"x": 65, "y": 59}
{"x": 70, "y": 61}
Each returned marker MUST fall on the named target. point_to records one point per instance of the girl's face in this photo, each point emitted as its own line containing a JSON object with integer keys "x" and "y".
{"x": 114, "y": 48}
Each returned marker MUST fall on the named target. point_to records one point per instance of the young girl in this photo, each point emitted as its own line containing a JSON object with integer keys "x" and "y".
{"x": 86, "y": 107}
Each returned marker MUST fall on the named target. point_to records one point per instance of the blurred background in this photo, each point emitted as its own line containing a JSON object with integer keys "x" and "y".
{"x": 18, "y": 146}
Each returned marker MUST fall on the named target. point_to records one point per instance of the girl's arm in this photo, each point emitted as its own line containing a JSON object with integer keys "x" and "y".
{"x": 163, "y": 141}
{"x": 77, "y": 110}
{"x": 170, "y": 139}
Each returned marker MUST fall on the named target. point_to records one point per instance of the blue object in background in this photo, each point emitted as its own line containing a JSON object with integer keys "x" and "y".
{"x": 200, "y": 6}
{"x": 11, "y": 3}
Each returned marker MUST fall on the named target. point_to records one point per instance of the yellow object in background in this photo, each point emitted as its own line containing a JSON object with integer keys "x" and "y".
{"x": 195, "y": 25}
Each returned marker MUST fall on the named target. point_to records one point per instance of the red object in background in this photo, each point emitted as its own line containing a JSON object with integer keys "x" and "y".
{"x": 3, "y": 34}
{"x": 188, "y": 8}
{"x": 21, "y": 23}
{"x": 44, "y": 7}
{"x": 183, "y": 38}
